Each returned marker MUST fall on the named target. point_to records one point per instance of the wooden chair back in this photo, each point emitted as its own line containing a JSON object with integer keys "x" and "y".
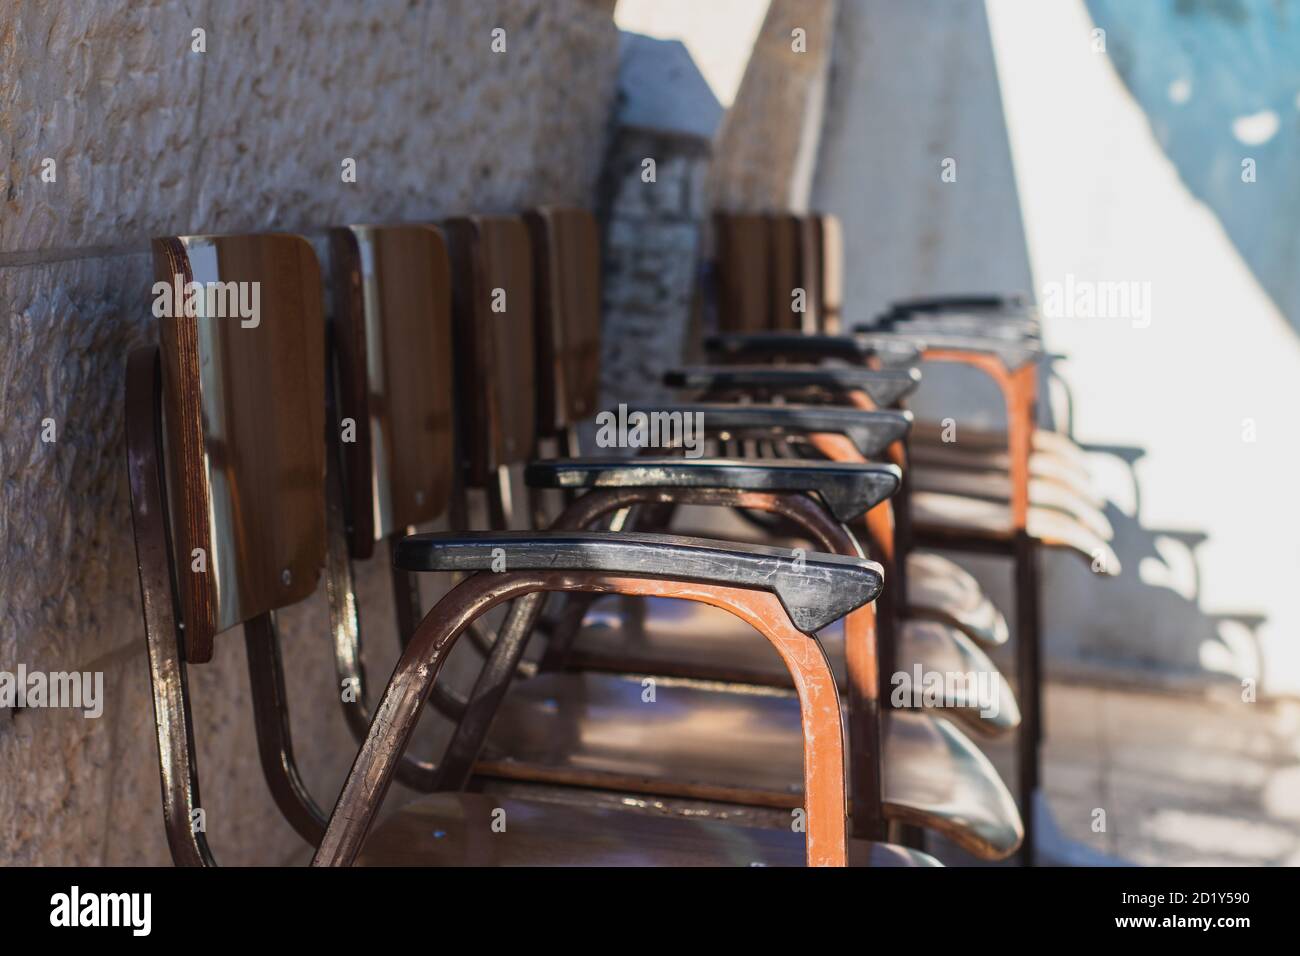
{"x": 828, "y": 237}
{"x": 393, "y": 343}
{"x": 744, "y": 293}
{"x": 242, "y": 348}
{"x": 566, "y": 270}
{"x": 787, "y": 292}
{"x": 494, "y": 341}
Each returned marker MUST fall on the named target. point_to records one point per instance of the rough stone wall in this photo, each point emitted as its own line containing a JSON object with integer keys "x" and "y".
{"x": 758, "y": 156}
{"x": 765, "y": 153}
{"x": 150, "y": 138}
{"x": 653, "y": 214}
{"x": 651, "y": 254}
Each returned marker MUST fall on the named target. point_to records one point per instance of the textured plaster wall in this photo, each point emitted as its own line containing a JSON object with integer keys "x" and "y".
{"x": 149, "y": 139}
{"x": 890, "y": 124}
{"x": 765, "y": 154}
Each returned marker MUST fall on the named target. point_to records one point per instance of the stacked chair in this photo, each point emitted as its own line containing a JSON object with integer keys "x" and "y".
{"x": 780, "y": 302}
{"x": 627, "y": 709}
{"x": 954, "y": 790}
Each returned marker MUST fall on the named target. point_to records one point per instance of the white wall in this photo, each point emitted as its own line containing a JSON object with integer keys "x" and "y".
{"x": 1059, "y": 174}
{"x": 1100, "y": 198}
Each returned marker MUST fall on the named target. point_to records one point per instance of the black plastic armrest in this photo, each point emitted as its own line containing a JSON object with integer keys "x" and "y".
{"x": 883, "y": 386}
{"x": 847, "y": 490}
{"x": 1013, "y": 354}
{"x": 816, "y": 589}
{"x": 993, "y": 302}
{"x": 810, "y": 347}
{"x": 1005, "y": 330}
{"x": 871, "y": 432}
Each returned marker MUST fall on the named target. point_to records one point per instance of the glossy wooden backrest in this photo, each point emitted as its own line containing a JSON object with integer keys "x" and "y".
{"x": 830, "y": 239}
{"x": 244, "y": 410}
{"x": 392, "y": 307}
{"x": 786, "y": 291}
{"x": 493, "y": 329}
{"x": 744, "y": 294}
{"x": 810, "y": 270}
{"x": 566, "y": 269}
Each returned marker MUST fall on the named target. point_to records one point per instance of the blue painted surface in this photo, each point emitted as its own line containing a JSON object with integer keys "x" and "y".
{"x": 1197, "y": 67}
{"x": 661, "y": 88}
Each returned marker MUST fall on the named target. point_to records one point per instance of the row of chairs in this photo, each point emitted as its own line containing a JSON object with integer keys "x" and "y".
{"x": 966, "y": 489}
{"x": 625, "y": 710}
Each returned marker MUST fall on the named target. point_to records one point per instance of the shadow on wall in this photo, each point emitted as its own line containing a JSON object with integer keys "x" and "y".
{"x": 1162, "y": 573}
{"x": 888, "y": 130}
{"x": 1147, "y": 627}
{"x": 1219, "y": 82}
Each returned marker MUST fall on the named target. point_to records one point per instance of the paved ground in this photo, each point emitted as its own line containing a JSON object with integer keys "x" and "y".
{"x": 1182, "y": 780}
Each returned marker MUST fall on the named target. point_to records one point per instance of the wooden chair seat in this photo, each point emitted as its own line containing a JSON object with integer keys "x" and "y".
{"x": 996, "y": 486}
{"x": 1045, "y": 441}
{"x": 983, "y": 703}
{"x": 456, "y": 829}
{"x": 737, "y": 746}
{"x": 681, "y": 639}
{"x": 956, "y": 516}
{"x": 938, "y": 589}
{"x": 1043, "y": 467}
{"x": 942, "y": 590}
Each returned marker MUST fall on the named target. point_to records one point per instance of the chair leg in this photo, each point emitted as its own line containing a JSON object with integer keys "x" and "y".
{"x": 345, "y": 629}
{"x": 1029, "y": 680}
{"x": 406, "y": 602}
{"x": 271, "y": 720}
{"x": 177, "y": 757}
{"x": 406, "y": 594}
{"x": 457, "y": 765}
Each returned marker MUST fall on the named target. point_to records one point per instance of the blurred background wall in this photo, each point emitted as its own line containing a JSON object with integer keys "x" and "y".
{"x": 1107, "y": 157}
{"x": 1131, "y": 165}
